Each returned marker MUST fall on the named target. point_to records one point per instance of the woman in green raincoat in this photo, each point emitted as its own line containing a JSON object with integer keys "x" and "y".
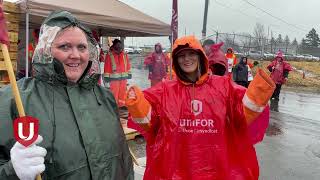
{"x": 79, "y": 123}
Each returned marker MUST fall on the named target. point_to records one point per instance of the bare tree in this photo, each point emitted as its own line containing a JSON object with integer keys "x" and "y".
{"x": 259, "y": 34}
{"x": 229, "y": 41}
{"x": 245, "y": 41}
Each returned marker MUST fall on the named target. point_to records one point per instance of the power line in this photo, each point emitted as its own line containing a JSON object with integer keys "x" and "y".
{"x": 251, "y": 16}
{"x": 229, "y": 7}
{"x": 292, "y": 25}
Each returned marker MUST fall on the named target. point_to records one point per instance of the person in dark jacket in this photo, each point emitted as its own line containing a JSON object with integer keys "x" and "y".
{"x": 80, "y": 130}
{"x": 240, "y": 74}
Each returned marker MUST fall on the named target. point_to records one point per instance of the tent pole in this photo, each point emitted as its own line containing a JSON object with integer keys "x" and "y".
{"x": 27, "y": 43}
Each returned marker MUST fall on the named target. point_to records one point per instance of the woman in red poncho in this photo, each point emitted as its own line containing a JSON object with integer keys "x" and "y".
{"x": 157, "y": 63}
{"x": 196, "y": 126}
{"x": 279, "y": 73}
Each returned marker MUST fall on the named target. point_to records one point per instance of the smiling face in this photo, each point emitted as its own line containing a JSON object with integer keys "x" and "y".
{"x": 70, "y": 47}
{"x": 188, "y": 61}
{"x": 158, "y": 49}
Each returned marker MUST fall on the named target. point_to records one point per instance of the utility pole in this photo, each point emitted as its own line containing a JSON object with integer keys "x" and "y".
{"x": 204, "y": 29}
{"x": 217, "y": 36}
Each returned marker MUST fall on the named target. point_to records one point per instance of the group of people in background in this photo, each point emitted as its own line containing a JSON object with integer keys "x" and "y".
{"x": 117, "y": 67}
{"x": 241, "y": 72}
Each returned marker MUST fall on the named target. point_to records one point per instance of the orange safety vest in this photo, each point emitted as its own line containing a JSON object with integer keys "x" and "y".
{"x": 232, "y": 61}
{"x": 117, "y": 67}
{"x": 31, "y": 49}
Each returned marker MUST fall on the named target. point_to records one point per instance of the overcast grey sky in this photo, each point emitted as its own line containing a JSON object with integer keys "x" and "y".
{"x": 232, "y": 16}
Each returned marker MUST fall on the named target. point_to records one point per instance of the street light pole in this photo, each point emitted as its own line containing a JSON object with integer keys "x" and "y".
{"x": 204, "y": 29}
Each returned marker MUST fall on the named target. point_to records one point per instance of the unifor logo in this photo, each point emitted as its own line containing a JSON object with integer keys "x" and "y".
{"x": 196, "y": 107}
{"x": 26, "y": 130}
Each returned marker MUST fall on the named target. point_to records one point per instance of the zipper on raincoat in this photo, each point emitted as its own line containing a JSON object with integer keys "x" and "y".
{"x": 193, "y": 117}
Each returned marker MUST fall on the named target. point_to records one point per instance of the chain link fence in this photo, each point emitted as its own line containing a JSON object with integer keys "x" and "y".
{"x": 263, "y": 48}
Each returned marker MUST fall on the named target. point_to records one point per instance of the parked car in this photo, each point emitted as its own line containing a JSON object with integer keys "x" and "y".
{"x": 137, "y": 50}
{"x": 239, "y": 54}
{"x": 308, "y": 56}
{"x": 299, "y": 56}
{"x": 165, "y": 50}
{"x": 128, "y": 50}
{"x": 255, "y": 54}
{"x": 290, "y": 56}
{"x": 268, "y": 55}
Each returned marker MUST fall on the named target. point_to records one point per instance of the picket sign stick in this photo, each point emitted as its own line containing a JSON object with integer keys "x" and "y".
{"x": 134, "y": 159}
{"x": 14, "y": 85}
{"x": 13, "y": 81}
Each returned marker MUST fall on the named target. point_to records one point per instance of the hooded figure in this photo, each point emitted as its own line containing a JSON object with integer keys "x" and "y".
{"x": 241, "y": 71}
{"x": 79, "y": 121}
{"x": 207, "y": 46}
{"x": 279, "y": 69}
{"x": 157, "y": 63}
{"x": 217, "y": 60}
{"x": 196, "y": 126}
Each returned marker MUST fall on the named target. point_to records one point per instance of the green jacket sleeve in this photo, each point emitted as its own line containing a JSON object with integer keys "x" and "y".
{"x": 6, "y": 134}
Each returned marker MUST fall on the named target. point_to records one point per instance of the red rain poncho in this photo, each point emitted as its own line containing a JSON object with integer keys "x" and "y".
{"x": 217, "y": 57}
{"x": 158, "y": 63}
{"x": 278, "y": 68}
{"x": 199, "y": 131}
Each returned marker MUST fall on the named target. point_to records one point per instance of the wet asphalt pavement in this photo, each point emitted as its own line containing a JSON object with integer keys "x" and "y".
{"x": 291, "y": 147}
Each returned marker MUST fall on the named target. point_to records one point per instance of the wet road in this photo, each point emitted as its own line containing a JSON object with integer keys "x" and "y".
{"x": 291, "y": 147}
{"x": 305, "y": 105}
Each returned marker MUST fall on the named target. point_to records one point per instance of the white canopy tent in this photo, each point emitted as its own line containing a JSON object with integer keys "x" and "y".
{"x": 108, "y": 17}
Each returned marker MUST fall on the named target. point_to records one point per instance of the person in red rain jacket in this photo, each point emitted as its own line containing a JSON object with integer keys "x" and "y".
{"x": 157, "y": 63}
{"x": 279, "y": 69}
{"x": 196, "y": 126}
{"x": 117, "y": 71}
{"x": 218, "y": 63}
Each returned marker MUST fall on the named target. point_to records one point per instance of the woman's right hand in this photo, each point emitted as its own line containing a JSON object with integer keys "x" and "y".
{"x": 28, "y": 162}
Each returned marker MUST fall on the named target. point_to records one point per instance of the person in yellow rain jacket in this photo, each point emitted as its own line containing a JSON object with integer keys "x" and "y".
{"x": 196, "y": 126}
{"x": 117, "y": 71}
